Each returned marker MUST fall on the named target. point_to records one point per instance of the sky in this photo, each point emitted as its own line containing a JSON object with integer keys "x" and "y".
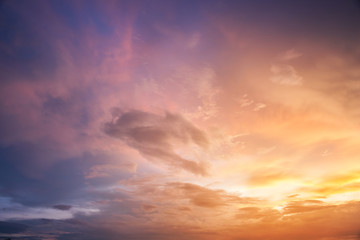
{"x": 180, "y": 119}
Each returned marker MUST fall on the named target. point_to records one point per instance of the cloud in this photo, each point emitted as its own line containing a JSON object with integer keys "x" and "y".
{"x": 267, "y": 177}
{"x": 61, "y": 181}
{"x": 308, "y": 219}
{"x": 62, "y": 207}
{"x": 246, "y": 102}
{"x": 148, "y": 207}
{"x": 194, "y": 40}
{"x": 291, "y": 54}
{"x": 305, "y": 206}
{"x": 155, "y": 137}
{"x": 111, "y": 169}
{"x": 207, "y": 93}
{"x": 65, "y": 64}
{"x": 335, "y": 184}
{"x": 12, "y": 227}
{"x": 256, "y": 213}
{"x": 208, "y": 198}
{"x": 285, "y": 74}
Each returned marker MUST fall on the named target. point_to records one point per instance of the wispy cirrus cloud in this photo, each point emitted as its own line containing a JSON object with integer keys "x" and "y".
{"x": 285, "y": 74}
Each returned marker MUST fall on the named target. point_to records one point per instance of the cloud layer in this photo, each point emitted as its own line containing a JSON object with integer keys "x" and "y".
{"x": 220, "y": 120}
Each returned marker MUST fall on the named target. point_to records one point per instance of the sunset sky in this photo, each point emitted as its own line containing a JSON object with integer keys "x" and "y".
{"x": 180, "y": 119}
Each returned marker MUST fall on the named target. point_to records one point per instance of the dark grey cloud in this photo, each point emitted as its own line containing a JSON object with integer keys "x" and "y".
{"x": 12, "y": 227}
{"x": 58, "y": 182}
{"x": 62, "y": 180}
{"x": 154, "y": 136}
{"x": 62, "y": 207}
